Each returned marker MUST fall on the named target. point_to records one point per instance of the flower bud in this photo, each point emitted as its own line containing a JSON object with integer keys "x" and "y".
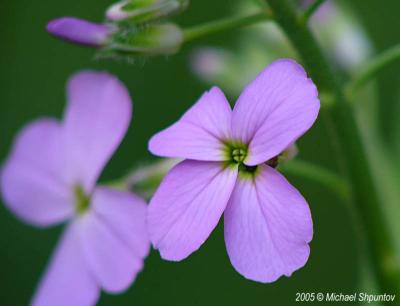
{"x": 289, "y": 153}
{"x": 80, "y": 31}
{"x": 144, "y": 10}
{"x": 209, "y": 63}
{"x": 151, "y": 40}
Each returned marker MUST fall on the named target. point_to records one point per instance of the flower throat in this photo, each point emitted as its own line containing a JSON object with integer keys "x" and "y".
{"x": 82, "y": 201}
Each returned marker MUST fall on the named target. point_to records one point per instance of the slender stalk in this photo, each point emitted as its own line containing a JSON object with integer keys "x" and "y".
{"x": 317, "y": 174}
{"x": 226, "y": 24}
{"x": 381, "y": 249}
{"x": 373, "y": 67}
{"x": 311, "y": 9}
{"x": 146, "y": 178}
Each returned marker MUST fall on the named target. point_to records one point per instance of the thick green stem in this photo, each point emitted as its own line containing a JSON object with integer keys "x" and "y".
{"x": 373, "y": 67}
{"x": 226, "y": 24}
{"x": 359, "y": 172}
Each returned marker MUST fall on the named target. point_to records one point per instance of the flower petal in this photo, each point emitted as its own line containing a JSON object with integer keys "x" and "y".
{"x": 268, "y": 227}
{"x": 114, "y": 238}
{"x": 187, "y": 206}
{"x": 67, "y": 280}
{"x": 97, "y": 117}
{"x": 31, "y": 181}
{"x": 274, "y": 110}
{"x": 125, "y": 214}
{"x": 200, "y": 133}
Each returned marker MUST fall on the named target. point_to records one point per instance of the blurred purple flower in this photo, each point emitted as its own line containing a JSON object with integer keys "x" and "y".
{"x": 208, "y": 62}
{"x": 50, "y": 177}
{"x": 80, "y": 31}
{"x": 268, "y": 223}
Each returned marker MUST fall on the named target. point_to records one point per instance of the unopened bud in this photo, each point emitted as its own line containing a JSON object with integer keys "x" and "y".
{"x": 289, "y": 153}
{"x": 144, "y": 10}
{"x": 80, "y": 31}
{"x": 209, "y": 63}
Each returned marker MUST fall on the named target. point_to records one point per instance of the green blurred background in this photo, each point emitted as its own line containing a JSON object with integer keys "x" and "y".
{"x": 34, "y": 70}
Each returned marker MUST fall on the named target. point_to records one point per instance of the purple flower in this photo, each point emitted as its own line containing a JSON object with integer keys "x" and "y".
{"x": 80, "y": 31}
{"x": 50, "y": 177}
{"x": 268, "y": 223}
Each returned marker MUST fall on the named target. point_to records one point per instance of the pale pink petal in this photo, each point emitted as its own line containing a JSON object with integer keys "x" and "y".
{"x": 114, "y": 238}
{"x": 97, "y": 117}
{"x": 32, "y": 184}
{"x": 125, "y": 214}
{"x": 67, "y": 280}
{"x": 200, "y": 133}
{"x": 268, "y": 227}
{"x": 187, "y": 206}
{"x": 274, "y": 110}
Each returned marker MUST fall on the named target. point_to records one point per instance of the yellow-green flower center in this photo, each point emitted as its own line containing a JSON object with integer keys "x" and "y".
{"x": 82, "y": 201}
{"x": 236, "y": 152}
{"x": 238, "y": 155}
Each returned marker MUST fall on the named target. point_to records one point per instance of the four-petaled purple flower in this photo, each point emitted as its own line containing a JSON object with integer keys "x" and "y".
{"x": 50, "y": 177}
{"x": 267, "y": 222}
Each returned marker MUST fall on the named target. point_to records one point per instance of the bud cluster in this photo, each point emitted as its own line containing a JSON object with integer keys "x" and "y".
{"x": 145, "y": 10}
{"x": 133, "y": 27}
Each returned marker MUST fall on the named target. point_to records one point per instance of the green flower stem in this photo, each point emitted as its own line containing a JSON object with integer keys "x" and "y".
{"x": 145, "y": 179}
{"x": 226, "y": 24}
{"x": 380, "y": 246}
{"x": 372, "y": 68}
{"x": 311, "y": 9}
{"x": 317, "y": 174}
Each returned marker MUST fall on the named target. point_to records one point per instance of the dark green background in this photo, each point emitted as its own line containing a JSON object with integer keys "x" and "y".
{"x": 34, "y": 70}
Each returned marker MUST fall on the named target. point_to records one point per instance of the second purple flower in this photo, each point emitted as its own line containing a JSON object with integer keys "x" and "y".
{"x": 51, "y": 177}
{"x": 268, "y": 223}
